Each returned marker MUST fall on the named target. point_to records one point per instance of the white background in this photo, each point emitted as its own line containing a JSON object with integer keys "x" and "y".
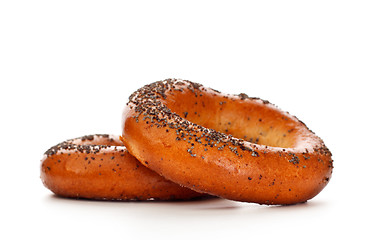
{"x": 68, "y": 67}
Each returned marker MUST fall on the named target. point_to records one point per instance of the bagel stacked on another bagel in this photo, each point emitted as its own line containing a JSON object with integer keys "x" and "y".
{"x": 230, "y": 146}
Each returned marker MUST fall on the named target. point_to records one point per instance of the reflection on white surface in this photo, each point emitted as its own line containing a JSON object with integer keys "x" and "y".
{"x": 207, "y": 205}
{"x": 184, "y": 219}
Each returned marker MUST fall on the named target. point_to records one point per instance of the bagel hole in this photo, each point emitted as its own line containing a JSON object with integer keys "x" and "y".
{"x": 250, "y": 120}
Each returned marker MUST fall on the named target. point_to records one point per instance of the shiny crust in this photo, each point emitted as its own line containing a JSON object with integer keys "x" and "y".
{"x": 99, "y": 167}
{"x": 231, "y": 146}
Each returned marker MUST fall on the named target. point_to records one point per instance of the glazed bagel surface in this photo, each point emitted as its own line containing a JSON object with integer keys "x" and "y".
{"x": 232, "y": 146}
{"x": 100, "y": 167}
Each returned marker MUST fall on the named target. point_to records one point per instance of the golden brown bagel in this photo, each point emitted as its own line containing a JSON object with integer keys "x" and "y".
{"x": 231, "y": 146}
{"x": 100, "y": 167}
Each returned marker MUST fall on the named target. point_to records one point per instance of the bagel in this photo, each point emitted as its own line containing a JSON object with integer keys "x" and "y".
{"x": 99, "y": 167}
{"x": 231, "y": 146}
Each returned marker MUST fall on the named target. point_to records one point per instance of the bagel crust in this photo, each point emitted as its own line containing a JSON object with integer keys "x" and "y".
{"x": 231, "y": 146}
{"x": 100, "y": 167}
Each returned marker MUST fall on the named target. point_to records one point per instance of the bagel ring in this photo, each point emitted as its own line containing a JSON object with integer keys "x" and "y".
{"x": 231, "y": 146}
{"x": 100, "y": 167}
